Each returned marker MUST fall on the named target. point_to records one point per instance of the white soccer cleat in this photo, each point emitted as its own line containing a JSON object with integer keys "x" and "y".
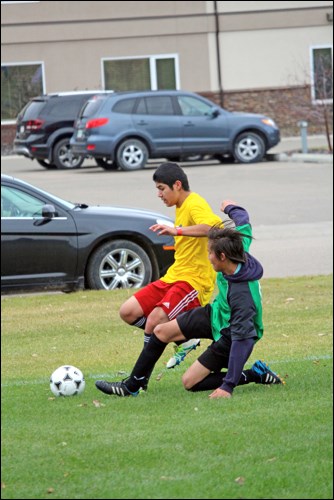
{"x": 181, "y": 352}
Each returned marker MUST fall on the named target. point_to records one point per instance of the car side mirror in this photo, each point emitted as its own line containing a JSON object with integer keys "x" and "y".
{"x": 215, "y": 112}
{"x": 48, "y": 211}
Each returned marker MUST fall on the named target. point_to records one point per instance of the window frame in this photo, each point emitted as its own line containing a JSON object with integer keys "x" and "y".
{"x": 152, "y": 65}
{"x": 313, "y": 48}
{"x": 27, "y": 63}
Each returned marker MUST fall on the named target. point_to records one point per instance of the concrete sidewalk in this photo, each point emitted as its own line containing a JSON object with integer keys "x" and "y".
{"x": 289, "y": 149}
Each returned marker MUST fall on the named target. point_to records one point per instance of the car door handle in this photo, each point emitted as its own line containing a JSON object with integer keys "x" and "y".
{"x": 142, "y": 122}
{"x": 189, "y": 124}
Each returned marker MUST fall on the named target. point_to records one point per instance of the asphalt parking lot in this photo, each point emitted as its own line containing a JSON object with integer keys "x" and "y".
{"x": 291, "y": 204}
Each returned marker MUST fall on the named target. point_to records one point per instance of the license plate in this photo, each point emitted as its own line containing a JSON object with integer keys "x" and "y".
{"x": 22, "y": 129}
{"x": 80, "y": 134}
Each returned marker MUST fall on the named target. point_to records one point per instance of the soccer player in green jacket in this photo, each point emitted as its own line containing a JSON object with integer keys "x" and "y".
{"x": 233, "y": 321}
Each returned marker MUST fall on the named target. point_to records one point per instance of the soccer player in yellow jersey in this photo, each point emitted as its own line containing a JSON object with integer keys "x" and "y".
{"x": 189, "y": 282}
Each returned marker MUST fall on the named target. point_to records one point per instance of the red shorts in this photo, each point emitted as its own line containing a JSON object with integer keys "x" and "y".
{"x": 173, "y": 298}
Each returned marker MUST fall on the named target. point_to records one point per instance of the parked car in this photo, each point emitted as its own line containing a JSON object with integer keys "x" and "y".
{"x": 127, "y": 128}
{"x": 45, "y": 125}
{"x": 51, "y": 244}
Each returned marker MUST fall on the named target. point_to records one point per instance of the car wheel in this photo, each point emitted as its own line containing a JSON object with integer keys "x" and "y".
{"x": 64, "y": 158}
{"x": 119, "y": 264}
{"x": 46, "y": 164}
{"x": 106, "y": 164}
{"x": 132, "y": 154}
{"x": 249, "y": 148}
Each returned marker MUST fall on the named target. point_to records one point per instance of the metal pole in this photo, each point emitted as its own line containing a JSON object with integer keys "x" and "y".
{"x": 221, "y": 93}
{"x": 303, "y": 133}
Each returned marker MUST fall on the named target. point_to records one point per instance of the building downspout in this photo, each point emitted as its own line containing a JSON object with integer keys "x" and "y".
{"x": 221, "y": 92}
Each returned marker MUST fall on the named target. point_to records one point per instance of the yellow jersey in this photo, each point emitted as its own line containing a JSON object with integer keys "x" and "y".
{"x": 191, "y": 253}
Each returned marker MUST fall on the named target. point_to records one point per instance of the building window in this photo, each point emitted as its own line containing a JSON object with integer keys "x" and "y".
{"x": 322, "y": 74}
{"x": 141, "y": 73}
{"x": 19, "y": 83}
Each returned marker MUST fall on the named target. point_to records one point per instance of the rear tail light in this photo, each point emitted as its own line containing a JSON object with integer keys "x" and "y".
{"x": 97, "y": 122}
{"x": 34, "y": 124}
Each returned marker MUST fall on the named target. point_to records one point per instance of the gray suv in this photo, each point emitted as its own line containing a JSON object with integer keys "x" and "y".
{"x": 125, "y": 129}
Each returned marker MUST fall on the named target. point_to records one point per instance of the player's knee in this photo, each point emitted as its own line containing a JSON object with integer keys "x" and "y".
{"x": 130, "y": 311}
{"x": 162, "y": 331}
{"x": 159, "y": 331}
{"x": 124, "y": 313}
{"x": 187, "y": 382}
{"x": 157, "y": 316}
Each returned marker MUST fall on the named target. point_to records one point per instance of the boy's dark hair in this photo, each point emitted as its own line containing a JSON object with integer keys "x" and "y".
{"x": 227, "y": 241}
{"x": 168, "y": 173}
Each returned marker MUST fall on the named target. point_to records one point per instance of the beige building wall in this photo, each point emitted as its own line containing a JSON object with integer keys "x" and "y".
{"x": 77, "y": 65}
{"x": 73, "y": 40}
{"x": 262, "y": 44}
{"x": 269, "y": 58}
{"x": 263, "y": 47}
{"x": 267, "y": 44}
{"x": 245, "y": 6}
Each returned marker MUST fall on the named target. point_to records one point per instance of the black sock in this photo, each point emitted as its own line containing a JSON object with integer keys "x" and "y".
{"x": 140, "y": 322}
{"x": 146, "y": 339}
{"x": 215, "y": 380}
{"x": 209, "y": 383}
{"x": 249, "y": 376}
{"x": 145, "y": 363}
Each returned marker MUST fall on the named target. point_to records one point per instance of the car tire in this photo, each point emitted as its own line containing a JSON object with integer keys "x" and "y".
{"x": 106, "y": 164}
{"x": 119, "y": 264}
{"x": 132, "y": 154}
{"x": 63, "y": 158}
{"x": 249, "y": 148}
{"x": 46, "y": 164}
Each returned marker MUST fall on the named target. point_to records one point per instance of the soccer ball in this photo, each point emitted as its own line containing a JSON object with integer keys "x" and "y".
{"x": 67, "y": 380}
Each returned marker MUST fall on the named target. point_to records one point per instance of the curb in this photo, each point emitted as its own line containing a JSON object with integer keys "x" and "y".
{"x": 304, "y": 157}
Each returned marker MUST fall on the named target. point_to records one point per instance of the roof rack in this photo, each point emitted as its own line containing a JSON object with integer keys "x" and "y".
{"x": 74, "y": 92}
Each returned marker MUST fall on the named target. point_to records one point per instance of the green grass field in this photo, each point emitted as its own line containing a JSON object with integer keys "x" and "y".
{"x": 267, "y": 442}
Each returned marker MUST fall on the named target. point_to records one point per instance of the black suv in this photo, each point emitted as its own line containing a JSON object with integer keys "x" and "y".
{"x": 45, "y": 126}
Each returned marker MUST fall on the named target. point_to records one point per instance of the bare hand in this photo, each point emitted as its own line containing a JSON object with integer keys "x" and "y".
{"x": 163, "y": 229}
{"x": 220, "y": 393}
{"x": 225, "y": 203}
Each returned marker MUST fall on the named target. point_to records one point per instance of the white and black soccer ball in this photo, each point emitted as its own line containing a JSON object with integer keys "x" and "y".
{"x": 67, "y": 380}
